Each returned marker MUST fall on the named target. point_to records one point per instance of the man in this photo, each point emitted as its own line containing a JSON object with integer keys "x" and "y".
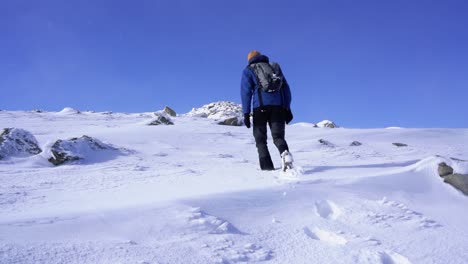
{"x": 264, "y": 86}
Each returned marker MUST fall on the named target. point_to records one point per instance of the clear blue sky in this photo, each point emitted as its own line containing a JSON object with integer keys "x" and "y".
{"x": 359, "y": 63}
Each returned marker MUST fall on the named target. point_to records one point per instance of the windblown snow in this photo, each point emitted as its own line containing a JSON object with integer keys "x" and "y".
{"x": 192, "y": 193}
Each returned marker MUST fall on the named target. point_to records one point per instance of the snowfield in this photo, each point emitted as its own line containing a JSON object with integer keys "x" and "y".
{"x": 192, "y": 192}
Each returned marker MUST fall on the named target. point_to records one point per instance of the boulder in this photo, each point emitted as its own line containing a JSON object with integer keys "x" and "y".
{"x": 18, "y": 142}
{"x": 400, "y": 144}
{"x": 355, "y": 144}
{"x": 233, "y": 121}
{"x": 64, "y": 151}
{"x": 161, "y": 119}
{"x": 444, "y": 169}
{"x": 170, "y": 111}
{"x": 459, "y": 181}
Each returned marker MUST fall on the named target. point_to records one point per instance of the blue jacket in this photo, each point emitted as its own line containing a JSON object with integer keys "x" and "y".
{"x": 249, "y": 90}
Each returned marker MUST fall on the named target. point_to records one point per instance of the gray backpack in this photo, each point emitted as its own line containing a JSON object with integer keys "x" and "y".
{"x": 268, "y": 75}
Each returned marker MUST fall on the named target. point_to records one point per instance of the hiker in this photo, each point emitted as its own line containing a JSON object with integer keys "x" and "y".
{"x": 264, "y": 86}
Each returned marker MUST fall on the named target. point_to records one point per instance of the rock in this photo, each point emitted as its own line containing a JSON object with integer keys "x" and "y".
{"x": 326, "y": 123}
{"x": 355, "y": 144}
{"x": 233, "y": 121}
{"x": 324, "y": 142}
{"x": 170, "y": 111}
{"x": 37, "y": 111}
{"x": 458, "y": 181}
{"x": 161, "y": 119}
{"x": 18, "y": 142}
{"x": 400, "y": 144}
{"x": 444, "y": 169}
{"x": 73, "y": 149}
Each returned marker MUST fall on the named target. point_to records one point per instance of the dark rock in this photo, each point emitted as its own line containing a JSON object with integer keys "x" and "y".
{"x": 233, "y": 121}
{"x": 37, "y": 111}
{"x": 355, "y": 144}
{"x": 75, "y": 149}
{"x": 444, "y": 169}
{"x": 459, "y": 181}
{"x": 324, "y": 142}
{"x": 161, "y": 119}
{"x": 18, "y": 142}
{"x": 400, "y": 144}
{"x": 170, "y": 111}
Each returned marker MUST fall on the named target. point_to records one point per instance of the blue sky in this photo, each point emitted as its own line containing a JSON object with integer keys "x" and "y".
{"x": 359, "y": 63}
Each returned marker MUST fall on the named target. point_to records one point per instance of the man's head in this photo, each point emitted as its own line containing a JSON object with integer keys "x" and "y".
{"x": 252, "y": 54}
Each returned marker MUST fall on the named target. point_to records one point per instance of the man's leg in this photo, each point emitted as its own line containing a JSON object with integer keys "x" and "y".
{"x": 277, "y": 127}
{"x": 260, "y": 120}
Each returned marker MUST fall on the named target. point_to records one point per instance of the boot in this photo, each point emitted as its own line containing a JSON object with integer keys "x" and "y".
{"x": 286, "y": 160}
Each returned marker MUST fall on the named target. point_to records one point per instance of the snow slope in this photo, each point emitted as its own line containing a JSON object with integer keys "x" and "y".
{"x": 193, "y": 193}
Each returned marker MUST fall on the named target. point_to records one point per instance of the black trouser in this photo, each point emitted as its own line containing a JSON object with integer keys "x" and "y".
{"x": 274, "y": 117}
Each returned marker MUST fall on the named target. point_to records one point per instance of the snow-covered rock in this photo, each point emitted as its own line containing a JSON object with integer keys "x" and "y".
{"x": 18, "y": 142}
{"x": 69, "y": 111}
{"x": 218, "y": 111}
{"x": 84, "y": 147}
{"x": 355, "y": 144}
{"x": 161, "y": 119}
{"x": 326, "y": 123}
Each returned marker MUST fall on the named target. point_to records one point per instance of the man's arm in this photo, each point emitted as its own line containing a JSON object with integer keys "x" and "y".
{"x": 247, "y": 87}
{"x": 286, "y": 91}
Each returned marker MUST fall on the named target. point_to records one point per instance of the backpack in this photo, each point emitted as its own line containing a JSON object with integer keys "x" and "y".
{"x": 268, "y": 75}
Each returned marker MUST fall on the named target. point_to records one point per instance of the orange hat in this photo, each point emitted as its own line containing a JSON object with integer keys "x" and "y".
{"x": 252, "y": 54}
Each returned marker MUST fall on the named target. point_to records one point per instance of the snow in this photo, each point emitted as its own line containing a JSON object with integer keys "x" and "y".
{"x": 193, "y": 193}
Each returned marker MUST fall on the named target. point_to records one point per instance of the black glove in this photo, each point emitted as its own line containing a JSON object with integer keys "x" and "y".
{"x": 247, "y": 120}
{"x": 288, "y": 116}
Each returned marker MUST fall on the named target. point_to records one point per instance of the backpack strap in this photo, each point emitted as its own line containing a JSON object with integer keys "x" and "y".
{"x": 259, "y": 90}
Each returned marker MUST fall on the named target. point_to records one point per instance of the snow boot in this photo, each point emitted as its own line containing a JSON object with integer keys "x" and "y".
{"x": 286, "y": 160}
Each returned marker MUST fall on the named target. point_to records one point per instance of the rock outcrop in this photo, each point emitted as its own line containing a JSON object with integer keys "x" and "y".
{"x": 458, "y": 181}
{"x": 400, "y": 144}
{"x": 161, "y": 119}
{"x": 355, "y": 144}
{"x": 226, "y": 113}
{"x": 326, "y": 123}
{"x": 16, "y": 142}
{"x": 170, "y": 111}
{"x": 64, "y": 151}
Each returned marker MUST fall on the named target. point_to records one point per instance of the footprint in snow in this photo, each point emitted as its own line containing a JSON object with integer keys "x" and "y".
{"x": 325, "y": 236}
{"x": 327, "y": 209}
{"x": 201, "y": 221}
{"x": 393, "y": 213}
{"x": 382, "y": 257}
{"x": 228, "y": 252}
